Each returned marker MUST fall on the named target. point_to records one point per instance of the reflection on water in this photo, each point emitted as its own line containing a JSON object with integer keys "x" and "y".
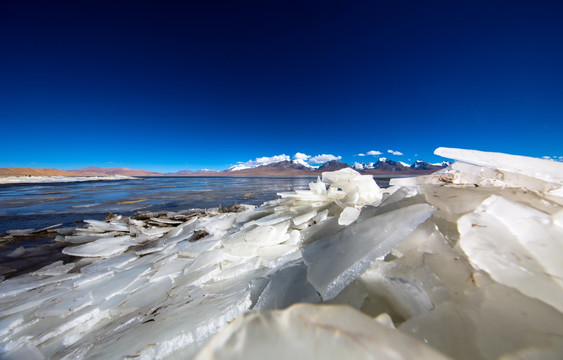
{"x": 39, "y": 205}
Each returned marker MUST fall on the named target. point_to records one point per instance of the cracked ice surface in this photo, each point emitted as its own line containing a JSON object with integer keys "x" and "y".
{"x": 463, "y": 263}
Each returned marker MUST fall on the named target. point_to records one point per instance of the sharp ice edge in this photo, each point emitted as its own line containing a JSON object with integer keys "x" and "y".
{"x": 337, "y": 260}
{"x": 429, "y": 255}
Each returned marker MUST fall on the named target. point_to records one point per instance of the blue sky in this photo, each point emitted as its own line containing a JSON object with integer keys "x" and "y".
{"x": 167, "y": 85}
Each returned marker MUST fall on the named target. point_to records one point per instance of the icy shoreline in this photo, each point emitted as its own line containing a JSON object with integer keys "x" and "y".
{"x": 463, "y": 263}
{"x": 58, "y": 179}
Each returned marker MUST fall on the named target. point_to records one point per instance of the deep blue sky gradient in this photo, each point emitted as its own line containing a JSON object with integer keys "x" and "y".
{"x": 167, "y": 85}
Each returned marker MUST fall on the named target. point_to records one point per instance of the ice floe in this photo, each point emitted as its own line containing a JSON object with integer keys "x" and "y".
{"x": 464, "y": 263}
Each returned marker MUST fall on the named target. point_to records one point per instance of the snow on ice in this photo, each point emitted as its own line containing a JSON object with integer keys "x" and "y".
{"x": 464, "y": 263}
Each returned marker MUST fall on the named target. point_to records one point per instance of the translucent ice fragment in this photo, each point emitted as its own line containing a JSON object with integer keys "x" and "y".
{"x": 550, "y": 171}
{"x": 314, "y": 332}
{"x": 54, "y": 269}
{"x": 288, "y": 286}
{"x": 350, "y": 181}
{"x": 301, "y": 219}
{"x": 65, "y": 305}
{"x": 517, "y": 245}
{"x": 102, "y": 225}
{"x": 348, "y": 215}
{"x": 84, "y": 238}
{"x": 318, "y": 187}
{"x": 106, "y": 264}
{"x": 173, "y": 333}
{"x": 18, "y": 285}
{"x": 104, "y": 247}
{"x": 336, "y": 261}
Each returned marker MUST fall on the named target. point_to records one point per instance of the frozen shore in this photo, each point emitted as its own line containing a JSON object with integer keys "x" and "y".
{"x": 464, "y": 263}
{"x": 58, "y": 179}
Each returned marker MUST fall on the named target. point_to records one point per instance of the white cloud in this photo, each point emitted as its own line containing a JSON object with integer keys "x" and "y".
{"x": 553, "y": 158}
{"x": 398, "y": 153}
{"x": 321, "y": 159}
{"x": 301, "y": 156}
{"x": 374, "y": 152}
{"x": 361, "y": 154}
{"x": 265, "y": 160}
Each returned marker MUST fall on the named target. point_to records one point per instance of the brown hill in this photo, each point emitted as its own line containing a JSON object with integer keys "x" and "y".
{"x": 98, "y": 171}
{"x": 36, "y": 172}
{"x": 333, "y": 165}
{"x": 280, "y": 168}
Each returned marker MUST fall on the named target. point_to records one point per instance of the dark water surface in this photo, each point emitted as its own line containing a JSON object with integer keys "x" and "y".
{"x": 25, "y": 206}
{"x": 35, "y": 206}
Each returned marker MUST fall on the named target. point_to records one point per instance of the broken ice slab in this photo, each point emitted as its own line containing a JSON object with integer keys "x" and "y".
{"x": 9, "y": 322}
{"x": 550, "y": 171}
{"x": 264, "y": 235}
{"x": 348, "y": 215}
{"x": 489, "y": 322}
{"x": 219, "y": 223}
{"x": 352, "y": 182}
{"x": 353, "y": 295}
{"x": 103, "y": 247}
{"x": 313, "y": 332}
{"x": 518, "y": 246}
{"x": 336, "y": 261}
{"x": 401, "y": 291}
{"x": 106, "y": 226}
{"x": 171, "y": 269}
{"x": 18, "y": 285}
{"x": 121, "y": 282}
{"x": 65, "y": 304}
{"x": 318, "y": 187}
{"x": 108, "y": 264}
{"x": 20, "y": 232}
{"x": 273, "y": 256}
{"x": 171, "y": 334}
{"x": 84, "y": 238}
{"x": 54, "y": 269}
{"x": 237, "y": 270}
{"x": 301, "y": 219}
{"x": 287, "y": 286}
{"x": 18, "y": 252}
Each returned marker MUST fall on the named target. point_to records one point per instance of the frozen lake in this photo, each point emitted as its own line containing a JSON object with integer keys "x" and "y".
{"x": 36, "y": 206}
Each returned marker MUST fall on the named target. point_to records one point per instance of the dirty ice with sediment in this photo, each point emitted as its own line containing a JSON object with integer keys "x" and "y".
{"x": 464, "y": 263}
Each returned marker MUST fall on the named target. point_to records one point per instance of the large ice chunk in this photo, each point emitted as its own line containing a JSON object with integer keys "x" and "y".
{"x": 307, "y": 331}
{"x": 518, "y": 246}
{"x": 546, "y": 170}
{"x": 336, "y": 261}
{"x": 360, "y": 189}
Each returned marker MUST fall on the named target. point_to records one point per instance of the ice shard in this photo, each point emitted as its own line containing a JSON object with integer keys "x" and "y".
{"x": 336, "y": 261}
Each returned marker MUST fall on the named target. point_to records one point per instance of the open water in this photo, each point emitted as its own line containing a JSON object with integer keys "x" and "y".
{"x": 34, "y": 206}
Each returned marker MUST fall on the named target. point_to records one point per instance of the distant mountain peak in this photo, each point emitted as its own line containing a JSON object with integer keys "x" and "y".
{"x": 333, "y": 165}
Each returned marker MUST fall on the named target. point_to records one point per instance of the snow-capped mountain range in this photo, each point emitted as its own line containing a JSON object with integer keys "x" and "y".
{"x": 300, "y": 167}
{"x": 277, "y": 166}
{"x": 297, "y": 164}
